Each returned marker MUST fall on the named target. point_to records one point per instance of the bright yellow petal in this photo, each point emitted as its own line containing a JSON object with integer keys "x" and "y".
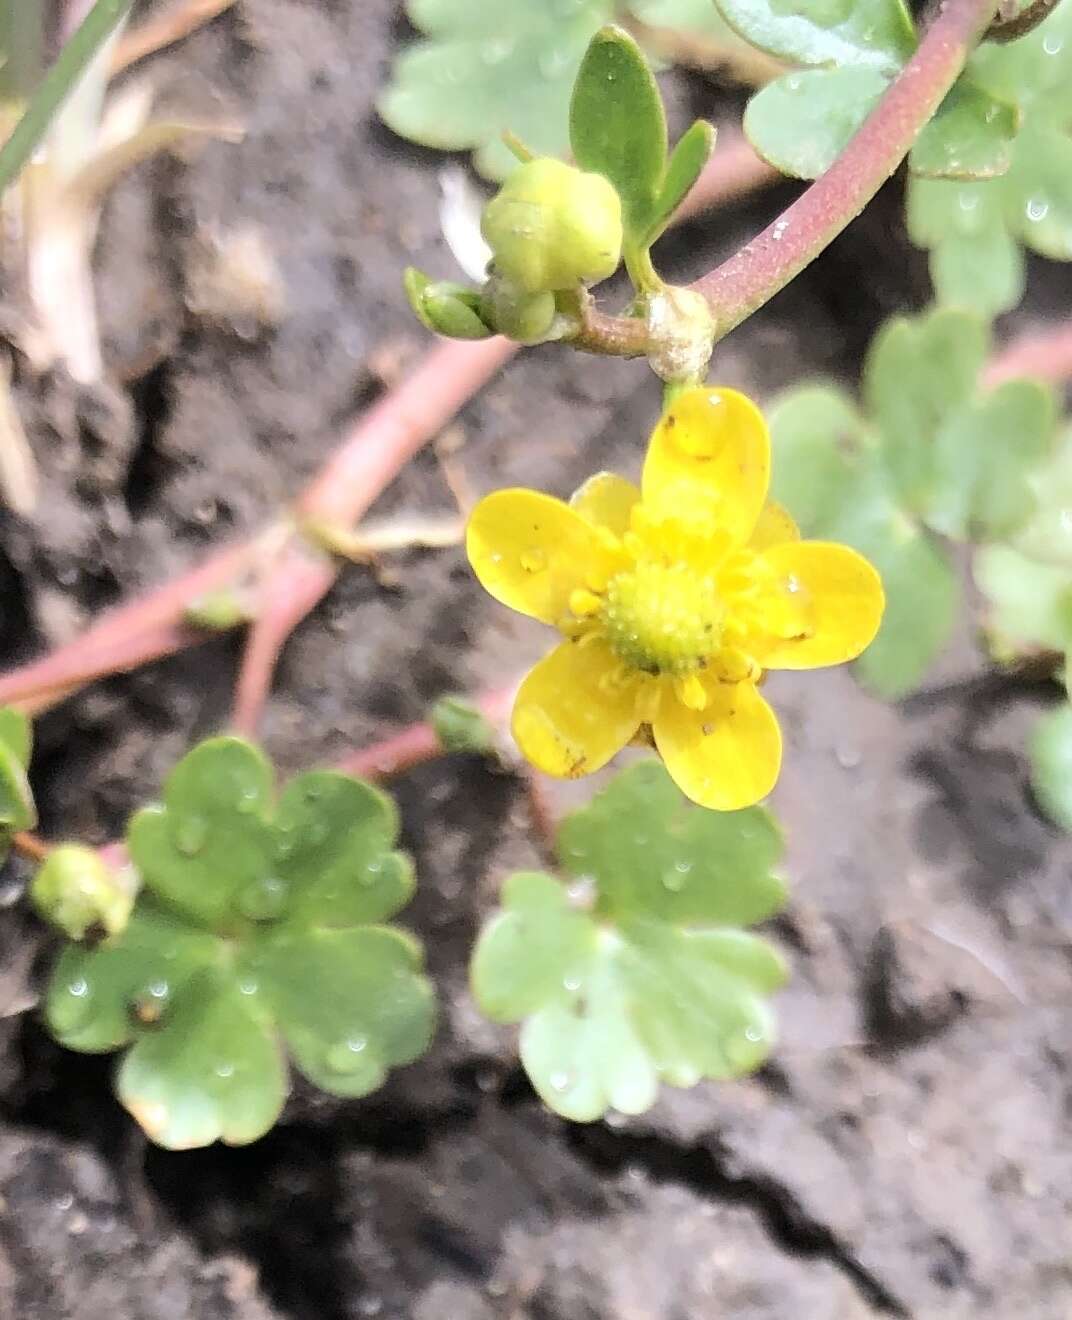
{"x": 710, "y": 455}
{"x": 726, "y": 756}
{"x": 606, "y": 500}
{"x": 832, "y": 598}
{"x": 775, "y": 526}
{"x": 573, "y": 711}
{"x": 530, "y": 551}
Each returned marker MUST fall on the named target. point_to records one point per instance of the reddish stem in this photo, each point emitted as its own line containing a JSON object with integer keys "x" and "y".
{"x": 759, "y": 270}
{"x": 30, "y": 846}
{"x": 418, "y": 743}
{"x": 1044, "y": 354}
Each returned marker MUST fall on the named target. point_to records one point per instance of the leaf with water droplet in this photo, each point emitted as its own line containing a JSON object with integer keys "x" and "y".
{"x": 877, "y": 34}
{"x": 655, "y": 981}
{"x": 339, "y": 862}
{"x": 828, "y": 472}
{"x": 214, "y": 1073}
{"x": 155, "y": 946}
{"x": 210, "y": 839}
{"x": 330, "y": 988}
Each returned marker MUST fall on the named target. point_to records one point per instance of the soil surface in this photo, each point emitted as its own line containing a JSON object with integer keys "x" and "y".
{"x": 905, "y": 1153}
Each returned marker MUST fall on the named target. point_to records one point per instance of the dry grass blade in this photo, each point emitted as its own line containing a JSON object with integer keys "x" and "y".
{"x": 157, "y": 33}
{"x": 18, "y": 471}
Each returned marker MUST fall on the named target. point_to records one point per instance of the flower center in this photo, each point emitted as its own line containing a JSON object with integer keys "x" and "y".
{"x": 662, "y": 619}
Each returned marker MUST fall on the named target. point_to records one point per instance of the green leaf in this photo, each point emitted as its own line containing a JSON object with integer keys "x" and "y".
{"x": 16, "y": 732}
{"x": 461, "y": 726}
{"x": 17, "y": 810}
{"x": 684, "y": 167}
{"x": 829, "y": 475}
{"x": 802, "y": 122}
{"x": 879, "y": 33}
{"x": 445, "y": 308}
{"x": 618, "y": 125}
{"x": 333, "y": 852}
{"x": 488, "y": 68}
{"x": 1047, "y": 537}
{"x": 214, "y": 1074}
{"x": 637, "y": 973}
{"x": 1030, "y": 603}
{"x": 350, "y": 1003}
{"x": 985, "y": 456}
{"x": 975, "y": 232}
{"x": 209, "y": 844}
{"x": 970, "y": 137}
{"x": 919, "y": 372}
{"x": 653, "y": 854}
{"x": 293, "y": 897}
{"x": 922, "y": 592}
{"x": 98, "y": 997}
{"x": 1050, "y": 750}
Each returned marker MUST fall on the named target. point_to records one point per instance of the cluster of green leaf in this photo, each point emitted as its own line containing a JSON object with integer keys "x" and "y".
{"x": 485, "y": 69}
{"x": 850, "y": 50}
{"x": 636, "y": 969}
{"x": 976, "y": 232}
{"x": 17, "y": 810}
{"x": 932, "y": 457}
{"x": 259, "y": 926}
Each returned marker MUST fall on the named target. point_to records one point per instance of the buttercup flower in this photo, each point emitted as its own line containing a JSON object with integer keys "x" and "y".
{"x": 672, "y": 599}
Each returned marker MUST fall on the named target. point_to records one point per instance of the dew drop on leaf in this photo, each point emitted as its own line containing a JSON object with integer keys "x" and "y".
{"x": 191, "y": 835}
{"x": 79, "y": 988}
{"x": 224, "y": 1070}
{"x": 1037, "y": 209}
{"x": 496, "y": 49}
{"x": 560, "y": 1081}
{"x": 346, "y": 1057}
{"x": 263, "y": 900}
{"x": 248, "y": 986}
{"x": 247, "y": 801}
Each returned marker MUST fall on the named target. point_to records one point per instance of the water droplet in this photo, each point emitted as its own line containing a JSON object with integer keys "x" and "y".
{"x": 158, "y": 989}
{"x": 1052, "y": 44}
{"x": 968, "y": 201}
{"x": 313, "y": 792}
{"x": 1037, "y": 209}
{"x": 560, "y": 1081}
{"x": 79, "y": 988}
{"x": 582, "y": 892}
{"x": 248, "y": 801}
{"x": 792, "y": 584}
{"x": 753, "y": 1034}
{"x": 571, "y": 983}
{"x": 224, "y": 1070}
{"x": 532, "y": 561}
{"x": 778, "y": 232}
{"x": 247, "y": 987}
{"x": 263, "y": 900}
{"x": 348, "y": 1056}
{"x": 191, "y": 835}
{"x": 673, "y": 880}
{"x": 497, "y": 49}
{"x": 793, "y": 83}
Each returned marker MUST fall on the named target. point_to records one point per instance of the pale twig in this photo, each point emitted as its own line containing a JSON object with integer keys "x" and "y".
{"x": 165, "y": 29}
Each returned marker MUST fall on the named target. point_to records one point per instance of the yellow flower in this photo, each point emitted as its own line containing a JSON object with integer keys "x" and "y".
{"x": 673, "y": 599}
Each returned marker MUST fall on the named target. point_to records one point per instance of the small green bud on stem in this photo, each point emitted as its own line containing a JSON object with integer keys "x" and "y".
{"x": 78, "y": 892}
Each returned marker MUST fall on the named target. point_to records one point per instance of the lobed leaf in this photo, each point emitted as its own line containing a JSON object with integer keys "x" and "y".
{"x": 1029, "y": 603}
{"x": 637, "y": 973}
{"x": 257, "y": 929}
{"x": 828, "y": 472}
{"x": 878, "y": 33}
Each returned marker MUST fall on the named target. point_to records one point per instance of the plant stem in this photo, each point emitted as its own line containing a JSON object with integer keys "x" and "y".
{"x": 30, "y": 846}
{"x": 154, "y": 625}
{"x": 57, "y": 84}
{"x": 165, "y": 29}
{"x": 418, "y": 743}
{"x": 1044, "y": 354}
{"x": 763, "y": 267}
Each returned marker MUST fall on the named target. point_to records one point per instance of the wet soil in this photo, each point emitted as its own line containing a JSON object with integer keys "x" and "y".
{"x": 905, "y": 1152}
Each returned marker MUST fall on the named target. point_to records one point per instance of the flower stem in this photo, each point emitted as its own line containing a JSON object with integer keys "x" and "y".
{"x": 1044, "y": 354}
{"x": 752, "y": 276}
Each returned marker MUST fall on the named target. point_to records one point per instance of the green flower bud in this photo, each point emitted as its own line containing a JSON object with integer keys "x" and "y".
{"x": 553, "y": 227}
{"x": 448, "y": 309}
{"x": 524, "y": 317}
{"x": 77, "y": 891}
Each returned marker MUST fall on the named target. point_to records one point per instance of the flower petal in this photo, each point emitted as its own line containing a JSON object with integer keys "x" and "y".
{"x": 530, "y": 551}
{"x": 710, "y": 454}
{"x": 726, "y": 756}
{"x": 606, "y": 500}
{"x": 575, "y": 709}
{"x": 836, "y": 598}
{"x": 775, "y": 525}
